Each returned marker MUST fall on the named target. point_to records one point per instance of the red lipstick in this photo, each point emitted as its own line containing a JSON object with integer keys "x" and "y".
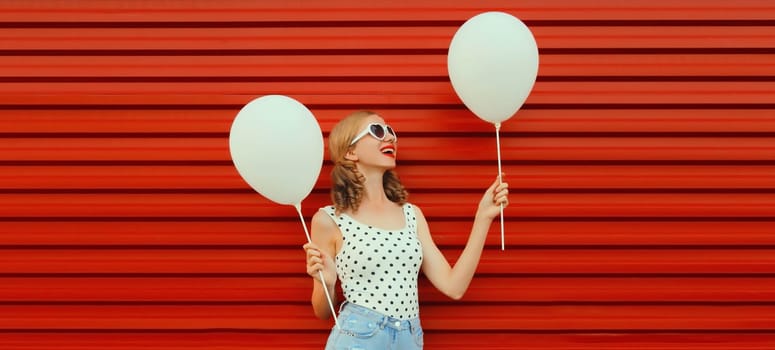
{"x": 388, "y": 150}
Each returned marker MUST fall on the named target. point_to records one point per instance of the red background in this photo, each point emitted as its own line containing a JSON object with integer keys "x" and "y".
{"x": 641, "y": 169}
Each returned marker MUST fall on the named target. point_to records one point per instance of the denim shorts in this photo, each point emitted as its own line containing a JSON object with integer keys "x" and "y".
{"x": 361, "y": 328}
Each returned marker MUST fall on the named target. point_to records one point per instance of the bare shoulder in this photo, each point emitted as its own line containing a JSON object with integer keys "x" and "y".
{"x": 418, "y": 212}
{"x": 322, "y": 220}
{"x": 324, "y": 230}
{"x": 423, "y": 231}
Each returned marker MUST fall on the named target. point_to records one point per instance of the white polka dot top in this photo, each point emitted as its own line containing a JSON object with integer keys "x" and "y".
{"x": 378, "y": 268}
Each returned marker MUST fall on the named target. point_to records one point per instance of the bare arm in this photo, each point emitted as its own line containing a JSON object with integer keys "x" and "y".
{"x": 320, "y": 257}
{"x": 454, "y": 281}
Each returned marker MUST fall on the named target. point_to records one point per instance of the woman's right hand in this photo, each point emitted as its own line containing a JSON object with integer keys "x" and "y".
{"x": 318, "y": 261}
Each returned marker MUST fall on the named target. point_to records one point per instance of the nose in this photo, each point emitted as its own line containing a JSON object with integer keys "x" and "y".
{"x": 390, "y": 138}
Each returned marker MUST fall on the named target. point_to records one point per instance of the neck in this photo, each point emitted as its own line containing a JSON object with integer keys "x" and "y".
{"x": 374, "y": 193}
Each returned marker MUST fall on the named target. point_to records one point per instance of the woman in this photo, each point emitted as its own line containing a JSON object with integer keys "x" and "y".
{"x": 376, "y": 242}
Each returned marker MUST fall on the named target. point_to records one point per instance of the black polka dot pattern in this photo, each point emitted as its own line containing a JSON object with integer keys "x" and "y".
{"x": 378, "y": 268}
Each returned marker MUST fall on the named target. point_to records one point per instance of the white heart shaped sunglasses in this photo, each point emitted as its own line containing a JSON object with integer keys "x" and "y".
{"x": 376, "y": 130}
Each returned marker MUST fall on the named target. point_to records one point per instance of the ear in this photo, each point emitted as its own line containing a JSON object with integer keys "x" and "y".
{"x": 350, "y": 155}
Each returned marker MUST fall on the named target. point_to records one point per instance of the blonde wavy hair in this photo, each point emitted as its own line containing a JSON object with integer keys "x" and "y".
{"x": 346, "y": 181}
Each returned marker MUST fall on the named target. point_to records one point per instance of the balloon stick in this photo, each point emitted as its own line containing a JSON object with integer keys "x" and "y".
{"x": 322, "y": 280}
{"x": 500, "y": 177}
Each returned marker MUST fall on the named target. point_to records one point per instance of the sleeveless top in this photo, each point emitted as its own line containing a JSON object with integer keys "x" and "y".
{"x": 378, "y": 268}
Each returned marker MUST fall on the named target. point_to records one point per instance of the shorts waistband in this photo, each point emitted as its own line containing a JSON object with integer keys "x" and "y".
{"x": 380, "y": 319}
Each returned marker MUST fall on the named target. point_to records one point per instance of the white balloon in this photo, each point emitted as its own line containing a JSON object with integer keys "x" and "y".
{"x": 493, "y": 64}
{"x": 277, "y": 147}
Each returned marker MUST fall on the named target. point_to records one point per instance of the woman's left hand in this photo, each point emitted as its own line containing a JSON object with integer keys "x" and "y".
{"x": 490, "y": 205}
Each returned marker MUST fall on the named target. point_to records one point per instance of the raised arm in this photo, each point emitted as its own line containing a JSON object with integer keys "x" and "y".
{"x": 454, "y": 281}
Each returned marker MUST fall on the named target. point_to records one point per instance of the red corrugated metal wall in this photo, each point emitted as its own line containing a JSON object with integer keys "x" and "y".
{"x": 641, "y": 168}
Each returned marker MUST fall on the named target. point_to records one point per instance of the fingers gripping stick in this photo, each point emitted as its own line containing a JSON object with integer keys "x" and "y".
{"x": 500, "y": 177}
{"x": 322, "y": 280}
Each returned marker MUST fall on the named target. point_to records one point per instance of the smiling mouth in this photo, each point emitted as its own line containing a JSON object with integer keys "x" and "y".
{"x": 389, "y": 151}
